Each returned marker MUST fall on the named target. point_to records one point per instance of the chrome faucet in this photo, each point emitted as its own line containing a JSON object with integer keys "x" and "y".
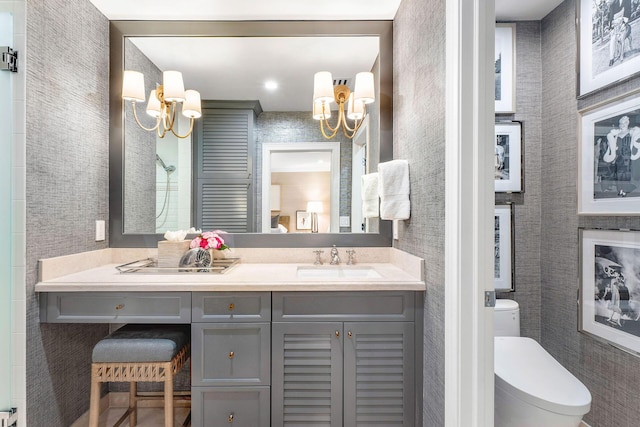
{"x": 318, "y": 260}
{"x": 335, "y": 257}
{"x": 352, "y": 258}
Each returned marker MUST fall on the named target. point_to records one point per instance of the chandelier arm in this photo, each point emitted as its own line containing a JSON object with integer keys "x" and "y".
{"x": 335, "y": 131}
{"x": 135, "y": 116}
{"x": 188, "y": 133}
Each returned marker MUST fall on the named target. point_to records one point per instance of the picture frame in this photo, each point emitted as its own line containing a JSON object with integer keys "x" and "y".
{"x": 600, "y": 25}
{"x": 508, "y": 157}
{"x": 303, "y": 220}
{"x": 609, "y": 153}
{"x": 503, "y": 249}
{"x": 505, "y": 68}
{"x": 609, "y": 306}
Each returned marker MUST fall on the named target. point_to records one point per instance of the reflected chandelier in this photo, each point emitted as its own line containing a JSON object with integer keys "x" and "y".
{"x": 324, "y": 94}
{"x": 163, "y": 101}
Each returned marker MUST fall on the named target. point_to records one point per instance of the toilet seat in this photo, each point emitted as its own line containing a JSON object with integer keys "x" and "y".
{"x": 525, "y": 370}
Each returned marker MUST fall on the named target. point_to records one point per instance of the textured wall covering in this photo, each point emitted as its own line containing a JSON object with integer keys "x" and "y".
{"x": 67, "y": 128}
{"x": 526, "y": 205}
{"x": 612, "y": 376}
{"x": 419, "y": 136}
{"x": 140, "y": 151}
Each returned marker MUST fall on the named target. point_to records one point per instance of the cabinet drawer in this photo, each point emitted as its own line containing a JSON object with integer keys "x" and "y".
{"x": 231, "y": 307}
{"x": 343, "y": 306}
{"x": 112, "y": 307}
{"x": 230, "y": 353}
{"x": 230, "y": 406}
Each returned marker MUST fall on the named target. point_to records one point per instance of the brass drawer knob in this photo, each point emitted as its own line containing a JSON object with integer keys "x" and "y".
{"x": 119, "y": 306}
{"x": 337, "y": 334}
{"x": 230, "y": 418}
{"x": 349, "y": 334}
{"x": 231, "y": 354}
{"x": 231, "y": 306}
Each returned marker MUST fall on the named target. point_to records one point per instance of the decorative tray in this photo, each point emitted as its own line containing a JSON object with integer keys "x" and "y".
{"x": 150, "y": 266}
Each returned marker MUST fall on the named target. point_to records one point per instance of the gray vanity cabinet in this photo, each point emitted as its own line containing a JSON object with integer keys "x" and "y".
{"x": 231, "y": 359}
{"x": 343, "y": 359}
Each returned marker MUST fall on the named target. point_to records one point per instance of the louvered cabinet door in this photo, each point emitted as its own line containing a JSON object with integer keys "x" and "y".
{"x": 306, "y": 370}
{"x": 379, "y": 374}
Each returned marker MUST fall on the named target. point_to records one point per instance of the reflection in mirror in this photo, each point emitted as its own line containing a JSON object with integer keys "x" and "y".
{"x": 235, "y": 69}
{"x": 257, "y": 88}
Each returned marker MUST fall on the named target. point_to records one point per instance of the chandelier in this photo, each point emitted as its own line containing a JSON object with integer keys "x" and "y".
{"x": 163, "y": 101}
{"x": 324, "y": 94}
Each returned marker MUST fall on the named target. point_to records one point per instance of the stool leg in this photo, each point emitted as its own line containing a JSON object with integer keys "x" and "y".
{"x": 168, "y": 399}
{"x": 94, "y": 405}
{"x": 133, "y": 403}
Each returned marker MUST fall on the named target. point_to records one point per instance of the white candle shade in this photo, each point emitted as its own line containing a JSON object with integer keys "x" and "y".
{"x": 173, "y": 86}
{"x": 355, "y": 110}
{"x": 191, "y": 107}
{"x": 153, "y": 106}
{"x": 364, "y": 88}
{"x": 323, "y": 87}
{"x": 317, "y": 110}
{"x": 133, "y": 86}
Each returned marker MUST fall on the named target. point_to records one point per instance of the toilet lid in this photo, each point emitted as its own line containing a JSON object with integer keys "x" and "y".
{"x": 528, "y": 372}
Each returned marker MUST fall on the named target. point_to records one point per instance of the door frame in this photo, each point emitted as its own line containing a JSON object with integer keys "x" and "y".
{"x": 469, "y": 201}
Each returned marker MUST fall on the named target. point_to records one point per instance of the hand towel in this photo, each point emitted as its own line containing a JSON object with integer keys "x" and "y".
{"x": 394, "y": 189}
{"x": 370, "y": 206}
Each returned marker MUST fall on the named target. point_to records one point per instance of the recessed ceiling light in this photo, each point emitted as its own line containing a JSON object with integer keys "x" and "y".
{"x": 271, "y": 85}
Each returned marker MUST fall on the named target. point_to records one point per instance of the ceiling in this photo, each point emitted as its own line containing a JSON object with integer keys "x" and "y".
{"x": 228, "y": 68}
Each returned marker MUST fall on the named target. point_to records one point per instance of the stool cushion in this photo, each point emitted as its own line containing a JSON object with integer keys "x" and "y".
{"x": 142, "y": 343}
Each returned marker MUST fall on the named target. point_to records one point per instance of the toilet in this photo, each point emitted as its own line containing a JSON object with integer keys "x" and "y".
{"x": 531, "y": 388}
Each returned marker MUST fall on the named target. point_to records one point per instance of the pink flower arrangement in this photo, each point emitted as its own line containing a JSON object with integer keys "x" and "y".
{"x": 208, "y": 240}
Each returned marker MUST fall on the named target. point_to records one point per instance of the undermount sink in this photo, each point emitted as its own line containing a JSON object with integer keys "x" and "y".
{"x": 348, "y": 271}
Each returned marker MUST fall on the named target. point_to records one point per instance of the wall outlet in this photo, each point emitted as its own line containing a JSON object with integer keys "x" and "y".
{"x": 100, "y": 230}
{"x": 345, "y": 221}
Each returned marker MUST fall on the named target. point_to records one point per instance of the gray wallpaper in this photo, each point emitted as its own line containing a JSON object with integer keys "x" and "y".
{"x": 526, "y": 205}
{"x": 612, "y": 376}
{"x": 67, "y": 130}
{"x": 419, "y": 136}
{"x": 140, "y": 151}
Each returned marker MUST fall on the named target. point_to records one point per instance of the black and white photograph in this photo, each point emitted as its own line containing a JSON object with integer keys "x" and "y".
{"x": 303, "y": 220}
{"x": 609, "y": 42}
{"x": 610, "y": 286}
{"x": 505, "y": 68}
{"x": 503, "y": 251}
{"x": 508, "y": 157}
{"x": 610, "y": 163}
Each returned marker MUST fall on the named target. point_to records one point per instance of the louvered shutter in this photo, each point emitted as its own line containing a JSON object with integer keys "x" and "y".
{"x": 224, "y": 198}
{"x": 306, "y": 375}
{"x": 379, "y": 374}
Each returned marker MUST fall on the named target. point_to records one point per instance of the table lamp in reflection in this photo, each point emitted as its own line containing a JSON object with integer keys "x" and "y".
{"x": 314, "y": 208}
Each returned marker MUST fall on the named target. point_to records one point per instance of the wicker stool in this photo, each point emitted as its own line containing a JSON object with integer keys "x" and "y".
{"x": 136, "y": 353}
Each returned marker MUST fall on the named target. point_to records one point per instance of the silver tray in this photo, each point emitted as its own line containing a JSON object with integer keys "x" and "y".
{"x": 150, "y": 266}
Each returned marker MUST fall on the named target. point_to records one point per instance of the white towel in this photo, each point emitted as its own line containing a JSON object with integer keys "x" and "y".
{"x": 370, "y": 206}
{"x": 393, "y": 189}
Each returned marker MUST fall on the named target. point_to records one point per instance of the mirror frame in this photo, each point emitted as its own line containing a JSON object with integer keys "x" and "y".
{"x": 121, "y": 29}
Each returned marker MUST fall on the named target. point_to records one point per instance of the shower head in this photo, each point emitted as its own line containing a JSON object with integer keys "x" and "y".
{"x": 167, "y": 169}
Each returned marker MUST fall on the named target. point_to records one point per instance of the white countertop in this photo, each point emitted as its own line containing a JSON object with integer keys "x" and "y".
{"x": 245, "y": 276}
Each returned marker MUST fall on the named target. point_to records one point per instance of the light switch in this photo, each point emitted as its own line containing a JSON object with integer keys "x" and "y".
{"x": 100, "y": 230}
{"x": 345, "y": 221}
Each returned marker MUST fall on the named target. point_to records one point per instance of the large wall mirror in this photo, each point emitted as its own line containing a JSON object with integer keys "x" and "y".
{"x": 159, "y": 184}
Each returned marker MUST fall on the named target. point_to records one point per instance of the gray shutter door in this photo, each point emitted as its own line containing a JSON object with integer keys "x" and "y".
{"x": 224, "y": 197}
{"x": 379, "y": 374}
{"x": 306, "y": 375}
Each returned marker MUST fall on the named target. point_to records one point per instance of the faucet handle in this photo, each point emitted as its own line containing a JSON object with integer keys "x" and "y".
{"x": 351, "y": 260}
{"x": 318, "y": 260}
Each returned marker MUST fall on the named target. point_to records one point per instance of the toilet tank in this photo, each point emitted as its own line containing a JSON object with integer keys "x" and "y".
{"x": 506, "y": 316}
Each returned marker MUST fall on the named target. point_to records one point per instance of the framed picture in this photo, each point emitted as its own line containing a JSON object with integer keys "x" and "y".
{"x": 609, "y": 286}
{"x": 609, "y": 168}
{"x": 505, "y": 68}
{"x": 606, "y": 29}
{"x": 508, "y": 157}
{"x": 503, "y": 253}
{"x": 303, "y": 220}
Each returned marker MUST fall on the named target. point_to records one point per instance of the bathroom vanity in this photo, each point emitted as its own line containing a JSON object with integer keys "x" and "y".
{"x": 274, "y": 344}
